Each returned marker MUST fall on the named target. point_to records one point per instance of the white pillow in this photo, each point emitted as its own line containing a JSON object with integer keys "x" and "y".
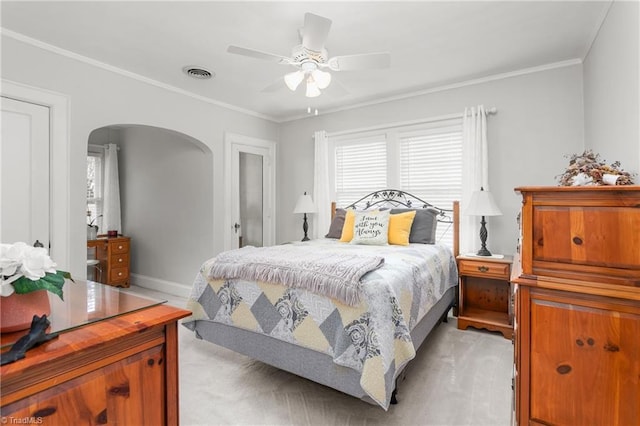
{"x": 371, "y": 227}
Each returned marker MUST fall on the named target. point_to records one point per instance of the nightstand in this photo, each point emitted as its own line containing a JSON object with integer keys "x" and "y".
{"x": 485, "y": 294}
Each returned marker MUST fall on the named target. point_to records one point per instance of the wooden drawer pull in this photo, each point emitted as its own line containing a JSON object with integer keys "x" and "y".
{"x": 119, "y": 260}
{"x": 119, "y": 247}
{"x": 577, "y": 240}
{"x": 483, "y": 268}
{"x": 119, "y": 274}
{"x": 43, "y": 412}
{"x": 611, "y": 347}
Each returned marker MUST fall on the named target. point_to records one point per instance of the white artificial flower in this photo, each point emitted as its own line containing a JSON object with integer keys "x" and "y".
{"x": 11, "y": 256}
{"x": 36, "y": 263}
{"x": 6, "y": 288}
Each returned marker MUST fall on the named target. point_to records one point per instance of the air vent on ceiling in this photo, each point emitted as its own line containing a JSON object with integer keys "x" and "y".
{"x": 197, "y": 72}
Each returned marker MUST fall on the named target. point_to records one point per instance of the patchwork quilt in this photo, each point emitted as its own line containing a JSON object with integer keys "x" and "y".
{"x": 372, "y": 337}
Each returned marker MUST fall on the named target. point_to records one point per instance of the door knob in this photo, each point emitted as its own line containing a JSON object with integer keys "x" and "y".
{"x": 236, "y": 226}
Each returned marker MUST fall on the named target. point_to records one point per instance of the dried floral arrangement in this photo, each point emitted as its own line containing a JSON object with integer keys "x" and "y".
{"x": 587, "y": 169}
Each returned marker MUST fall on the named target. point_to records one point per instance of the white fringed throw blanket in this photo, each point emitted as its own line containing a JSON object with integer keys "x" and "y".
{"x": 320, "y": 270}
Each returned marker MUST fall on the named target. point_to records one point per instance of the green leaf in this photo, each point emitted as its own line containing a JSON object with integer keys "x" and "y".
{"x": 50, "y": 282}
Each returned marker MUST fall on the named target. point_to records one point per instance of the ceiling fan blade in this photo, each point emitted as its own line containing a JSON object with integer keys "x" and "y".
{"x": 360, "y": 62}
{"x": 315, "y": 31}
{"x": 336, "y": 89}
{"x": 252, "y": 53}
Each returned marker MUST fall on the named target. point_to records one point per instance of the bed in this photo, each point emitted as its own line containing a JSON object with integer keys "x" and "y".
{"x": 356, "y": 336}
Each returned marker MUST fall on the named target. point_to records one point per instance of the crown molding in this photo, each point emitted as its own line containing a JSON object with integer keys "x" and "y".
{"x": 596, "y": 30}
{"x": 481, "y": 80}
{"x": 76, "y": 56}
{"x": 279, "y": 120}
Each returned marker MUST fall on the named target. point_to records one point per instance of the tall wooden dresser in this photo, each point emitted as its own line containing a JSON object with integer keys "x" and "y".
{"x": 577, "y": 327}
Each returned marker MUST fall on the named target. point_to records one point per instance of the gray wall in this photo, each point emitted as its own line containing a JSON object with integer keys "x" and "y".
{"x": 611, "y": 78}
{"x": 166, "y": 181}
{"x": 539, "y": 121}
{"x": 100, "y": 98}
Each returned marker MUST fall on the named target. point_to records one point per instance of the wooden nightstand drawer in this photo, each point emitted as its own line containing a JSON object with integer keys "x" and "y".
{"x": 481, "y": 268}
{"x": 119, "y": 274}
{"x": 120, "y": 246}
{"x": 120, "y": 260}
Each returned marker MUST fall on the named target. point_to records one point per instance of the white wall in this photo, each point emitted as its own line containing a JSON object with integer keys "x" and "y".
{"x": 611, "y": 89}
{"x": 100, "y": 98}
{"x": 539, "y": 121}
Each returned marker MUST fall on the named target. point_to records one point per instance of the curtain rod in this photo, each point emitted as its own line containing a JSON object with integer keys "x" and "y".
{"x": 489, "y": 111}
{"x": 91, "y": 145}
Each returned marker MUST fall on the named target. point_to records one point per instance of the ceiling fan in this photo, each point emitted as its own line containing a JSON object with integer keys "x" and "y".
{"x": 311, "y": 57}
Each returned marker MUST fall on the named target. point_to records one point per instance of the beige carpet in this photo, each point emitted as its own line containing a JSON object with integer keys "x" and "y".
{"x": 457, "y": 378}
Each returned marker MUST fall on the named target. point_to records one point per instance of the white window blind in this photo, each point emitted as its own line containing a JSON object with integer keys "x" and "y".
{"x": 431, "y": 168}
{"x": 360, "y": 167}
{"x": 424, "y": 160}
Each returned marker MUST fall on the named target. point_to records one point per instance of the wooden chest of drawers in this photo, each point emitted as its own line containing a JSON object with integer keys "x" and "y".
{"x": 577, "y": 350}
{"x": 114, "y": 255}
{"x": 121, "y": 370}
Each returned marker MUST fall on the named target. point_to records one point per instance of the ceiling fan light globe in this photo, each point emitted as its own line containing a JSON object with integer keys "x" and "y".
{"x": 322, "y": 78}
{"x": 312, "y": 89}
{"x": 293, "y": 80}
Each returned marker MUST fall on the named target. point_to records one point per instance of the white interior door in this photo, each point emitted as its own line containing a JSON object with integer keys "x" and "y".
{"x": 250, "y": 192}
{"x": 24, "y": 172}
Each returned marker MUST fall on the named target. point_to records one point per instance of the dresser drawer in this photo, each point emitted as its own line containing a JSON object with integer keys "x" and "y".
{"x": 119, "y": 260}
{"x": 119, "y": 246}
{"x": 591, "y": 236}
{"x": 479, "y": 268}
{"x": 583, "y": 233}
{"x": 119, "y": 274}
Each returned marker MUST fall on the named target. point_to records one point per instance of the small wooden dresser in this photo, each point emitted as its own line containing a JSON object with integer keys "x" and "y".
{"x": 113, "y": 254}
{"x": 577, "y": 326}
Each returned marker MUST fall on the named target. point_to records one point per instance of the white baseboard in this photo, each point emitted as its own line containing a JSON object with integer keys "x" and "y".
{"x": 157, "y": 284}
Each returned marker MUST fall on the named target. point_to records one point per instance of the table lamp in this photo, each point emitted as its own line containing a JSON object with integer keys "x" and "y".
{"x": 305, "y": 205}
{"x": 483, "y": 204}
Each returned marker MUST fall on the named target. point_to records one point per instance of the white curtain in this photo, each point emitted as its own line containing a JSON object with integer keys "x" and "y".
{"x": 111, "y": 210}
{"x": 475, "y": 172}
{"x": 321, "y": 191}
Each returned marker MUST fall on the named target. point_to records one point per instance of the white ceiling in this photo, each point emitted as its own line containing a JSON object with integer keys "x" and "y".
{"x": 432, "y": 44}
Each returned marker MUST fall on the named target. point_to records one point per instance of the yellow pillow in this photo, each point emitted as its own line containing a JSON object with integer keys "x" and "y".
{"x": 400, "y": 228}
{"x": 347, "y": 228}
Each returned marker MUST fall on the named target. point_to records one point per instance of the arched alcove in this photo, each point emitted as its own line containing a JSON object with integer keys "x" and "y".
{"x": 166, "y": 193}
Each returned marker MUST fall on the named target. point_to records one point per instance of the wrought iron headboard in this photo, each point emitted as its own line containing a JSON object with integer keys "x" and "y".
{"x": 398, "y": 198}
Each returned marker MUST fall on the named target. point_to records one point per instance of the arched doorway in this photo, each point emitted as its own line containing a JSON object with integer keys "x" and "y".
{"x": 166, "y": 194}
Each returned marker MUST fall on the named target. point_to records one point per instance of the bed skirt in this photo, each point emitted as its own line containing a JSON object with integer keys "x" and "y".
{"x": 307, "y": 363}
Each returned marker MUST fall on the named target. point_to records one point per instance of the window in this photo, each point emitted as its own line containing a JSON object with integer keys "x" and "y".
{"x": 360, "y": 167}
{"x": 424, "y": 160}
{"x": 95, "y": 162}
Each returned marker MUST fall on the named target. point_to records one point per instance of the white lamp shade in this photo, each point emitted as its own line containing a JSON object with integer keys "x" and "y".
{"x": 293, "y": 79}
{"x": 312, "y": 88}
{"x": 482, "y": 204}
{"x": 322, "y": 78}
{"x": 305, "y": 204}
